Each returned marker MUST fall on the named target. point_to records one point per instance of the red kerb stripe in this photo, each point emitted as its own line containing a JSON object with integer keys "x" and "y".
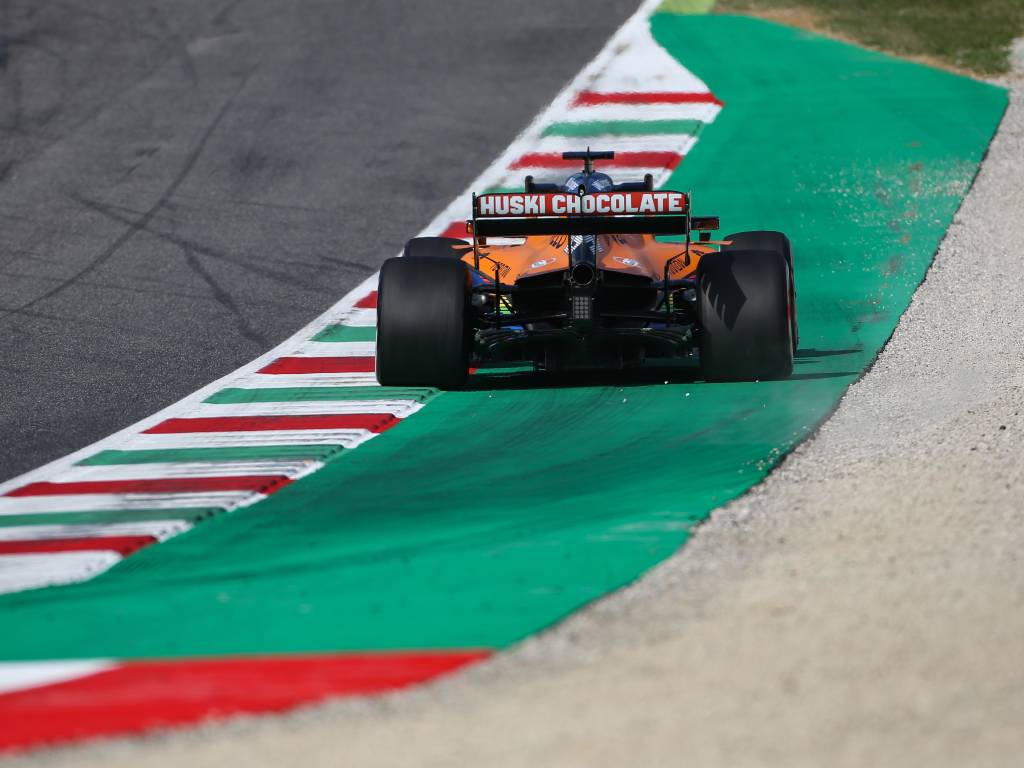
{"x": 369, "y": 301}
{"x": 622, "y": 159}
{"x": 375, "y": 422}
{"x": 456, "y": 229}
{"x": 157, "y": 694}
{"x": 320, "y": 365}
{"x": 262, "y": 483}
{"x": 592, "y": 98}
{"x": 125, "y": 545}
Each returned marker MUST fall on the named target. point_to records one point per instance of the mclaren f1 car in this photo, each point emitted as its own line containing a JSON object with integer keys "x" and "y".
{"x": 587, "y": 275}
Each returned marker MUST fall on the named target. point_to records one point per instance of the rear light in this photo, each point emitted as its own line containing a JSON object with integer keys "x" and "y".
{"x": 582, "y": 307}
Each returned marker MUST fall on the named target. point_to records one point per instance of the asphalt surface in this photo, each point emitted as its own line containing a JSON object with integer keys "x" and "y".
{"x": 183, "y": 185}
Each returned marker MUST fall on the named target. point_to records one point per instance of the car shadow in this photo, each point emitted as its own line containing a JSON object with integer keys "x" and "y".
{"x": 642, "y": 377}
{"x": 822, "y": 375}
{"x": 812, "y": 352}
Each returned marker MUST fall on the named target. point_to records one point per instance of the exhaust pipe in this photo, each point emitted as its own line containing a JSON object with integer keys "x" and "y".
{"x": 582, "y": 274}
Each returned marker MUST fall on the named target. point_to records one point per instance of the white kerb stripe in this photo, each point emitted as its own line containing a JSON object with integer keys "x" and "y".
{"x": 182, "y": 469}
{"x": 361, "y": 318}
{"x": 336, "y": 349}
{"x": 661, "y": 142}
{"x": 348, "y": 438}
{"x": 31, "y": 571}
{"x": 258, "y": 380}
{"x": 90, "y": 502}
{"x": 158, "y": 529}
{"x": 19, "y": 675}
{"x": 706, "y": 113}
{"x": 397, "y": 408}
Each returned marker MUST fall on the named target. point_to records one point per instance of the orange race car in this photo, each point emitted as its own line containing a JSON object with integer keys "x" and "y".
{"x": 575, "y": 277}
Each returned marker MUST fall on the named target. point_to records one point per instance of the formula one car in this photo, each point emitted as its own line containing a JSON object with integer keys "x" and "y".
{"x": 575, "y": 277}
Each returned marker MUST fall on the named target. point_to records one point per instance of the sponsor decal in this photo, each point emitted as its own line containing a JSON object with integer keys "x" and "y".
{"x": 628, "y": 262}
{"x": 563, "y": 204}
{"x": 489, "y": 265}
{"x": 541, "y": 263}
{"x": 679, "y": 265}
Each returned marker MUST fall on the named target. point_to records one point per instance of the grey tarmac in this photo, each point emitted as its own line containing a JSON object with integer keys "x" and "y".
{"x": 184, "y": 185}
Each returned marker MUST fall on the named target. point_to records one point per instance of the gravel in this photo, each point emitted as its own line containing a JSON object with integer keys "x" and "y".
{"x": 863, "y": 606}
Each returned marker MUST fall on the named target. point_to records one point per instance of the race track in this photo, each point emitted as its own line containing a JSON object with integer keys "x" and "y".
{"x": 184, "y": 185}
{"x": 475, "y": 519}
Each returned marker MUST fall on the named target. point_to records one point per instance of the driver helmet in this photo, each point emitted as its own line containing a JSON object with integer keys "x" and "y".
{"x": 594, "y": 182}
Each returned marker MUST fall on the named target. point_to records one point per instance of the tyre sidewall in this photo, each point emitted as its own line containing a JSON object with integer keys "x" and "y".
{"x": 770, "y": 240}
{"x": 745, "y": 316}
{"x": 423, "y": 331}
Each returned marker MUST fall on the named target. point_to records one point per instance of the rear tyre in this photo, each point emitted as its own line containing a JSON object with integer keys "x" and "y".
{"x": 744, "y": 310}
{"x": 423, "y": 333}
{"x": 768, "y": 240}
{"x": 435, "y": 248}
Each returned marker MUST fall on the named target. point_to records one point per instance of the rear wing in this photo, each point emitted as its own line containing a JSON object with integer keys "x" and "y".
{"x": 560, "y": 213}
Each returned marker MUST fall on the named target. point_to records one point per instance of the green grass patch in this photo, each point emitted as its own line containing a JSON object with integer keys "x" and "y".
{"x": 686, "y": 6}
{"x": 973, "y": 36}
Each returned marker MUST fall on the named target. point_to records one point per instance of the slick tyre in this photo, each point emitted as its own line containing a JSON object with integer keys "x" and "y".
{"x": 768, "y": 240}
{"x": 435, "y": 248}
{"x": 744, "y": 311}
{"x": 423, "y": 332}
